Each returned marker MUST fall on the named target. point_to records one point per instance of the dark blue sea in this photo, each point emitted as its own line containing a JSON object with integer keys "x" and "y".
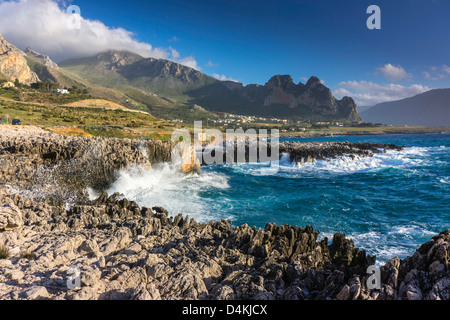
{"x": 388, "y": 204}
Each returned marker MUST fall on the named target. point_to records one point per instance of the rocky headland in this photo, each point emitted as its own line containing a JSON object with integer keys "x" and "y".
{"x": 58, "y": 165}
{"x": 125, "y": 251}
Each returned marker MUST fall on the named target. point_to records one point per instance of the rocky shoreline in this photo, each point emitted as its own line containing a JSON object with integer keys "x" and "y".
{"x": 299, "y": 152}
{"x": 127, "y": 252}
{"x": 59, "y": 165}
{"x": 124, "y": 251}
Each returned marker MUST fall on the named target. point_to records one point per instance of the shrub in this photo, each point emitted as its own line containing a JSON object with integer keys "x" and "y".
{"x": 4, "y": 252}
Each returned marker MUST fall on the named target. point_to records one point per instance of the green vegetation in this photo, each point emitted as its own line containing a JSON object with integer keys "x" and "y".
{"x": 88, "y": 121}
{"x": 4, "y": 252}
{"x": 184, "y": 112}
{"x": 10, "y": 93}
{"x": 45, "y": 85}
{"x": 56, "y": 115}
{"x": 40, "y": 93}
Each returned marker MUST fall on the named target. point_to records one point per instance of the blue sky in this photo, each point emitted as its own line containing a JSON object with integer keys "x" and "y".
{"x": 250, "y": 41}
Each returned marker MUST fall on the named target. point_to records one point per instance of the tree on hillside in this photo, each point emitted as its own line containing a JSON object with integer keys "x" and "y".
{"x": 44, "y": 85}
{"x": 78, "y": 90}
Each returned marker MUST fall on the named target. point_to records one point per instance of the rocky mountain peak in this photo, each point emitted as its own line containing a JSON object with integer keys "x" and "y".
{"x": 115, "y": 59}
{"x": 314, "y": 82}
{"x": 162, "y": 69}
{"x": 284, "y": 82}
{"x": 42, "y": 58}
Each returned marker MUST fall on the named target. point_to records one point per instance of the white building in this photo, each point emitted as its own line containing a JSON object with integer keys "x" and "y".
{"x": 60, "y": 91}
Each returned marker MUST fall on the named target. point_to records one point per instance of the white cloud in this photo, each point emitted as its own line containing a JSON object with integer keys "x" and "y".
{"x": 189, "y": 62}
{"x": 175, "y": 54}
{"x": 446, "y": 69}
{"x": 367, "y": 93}
{"x": 304, "y": 79}
{"x": 394, "y": 73}
{"x": 437, "y": 73}
{"x": 223, "y": 77}
{"x": 211, "y": 64}
{"x": 42, "y": 25}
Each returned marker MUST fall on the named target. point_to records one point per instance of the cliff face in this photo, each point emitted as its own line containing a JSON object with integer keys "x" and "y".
{"x": 314, "y": 96}
{"x": 14, "y": 65}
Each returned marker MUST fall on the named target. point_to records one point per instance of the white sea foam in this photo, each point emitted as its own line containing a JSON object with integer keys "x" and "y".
{"x": 405, "y": 159}
{"x": 408, "y": 158}
{"x": 411, "y": 231}
{"x": 400, "y": 241}
{"x": 165, "y": 186}
{"x": 387, "y": 245}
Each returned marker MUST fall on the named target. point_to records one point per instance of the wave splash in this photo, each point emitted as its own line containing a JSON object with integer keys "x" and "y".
{"x": 164, "y": 185}
{"x": 408, "y": 158}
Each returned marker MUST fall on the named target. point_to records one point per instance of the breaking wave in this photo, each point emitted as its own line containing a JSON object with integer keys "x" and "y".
{"x": 164, "y": 185}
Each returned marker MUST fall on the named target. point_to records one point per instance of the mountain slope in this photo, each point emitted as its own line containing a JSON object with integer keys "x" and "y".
{"x": 431, "y": 108}
{"x": 47, "y": 70}
{"x": 42, "y": 58}
{"x": 51, "y": 74}
{"x": 124, "y": 69}
{"x": 180, "y": 84}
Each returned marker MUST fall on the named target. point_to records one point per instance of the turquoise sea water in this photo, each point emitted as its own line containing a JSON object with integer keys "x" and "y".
{"x": 388, "y": 204}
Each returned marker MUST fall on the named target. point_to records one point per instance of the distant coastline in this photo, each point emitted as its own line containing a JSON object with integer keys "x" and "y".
{"x": 346, "y": 131}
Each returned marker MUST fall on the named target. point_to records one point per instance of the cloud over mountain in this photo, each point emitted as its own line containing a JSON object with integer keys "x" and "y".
{"x": 394, "y": 73}
{"x": 42, "y": 25}
{"x": 367, "y": 93}
{"x": 223, "y": 77}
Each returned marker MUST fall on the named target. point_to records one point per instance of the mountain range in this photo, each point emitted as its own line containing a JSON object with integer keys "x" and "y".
{"x": 160, "y": 86}
{"x": 431, "y": 108}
